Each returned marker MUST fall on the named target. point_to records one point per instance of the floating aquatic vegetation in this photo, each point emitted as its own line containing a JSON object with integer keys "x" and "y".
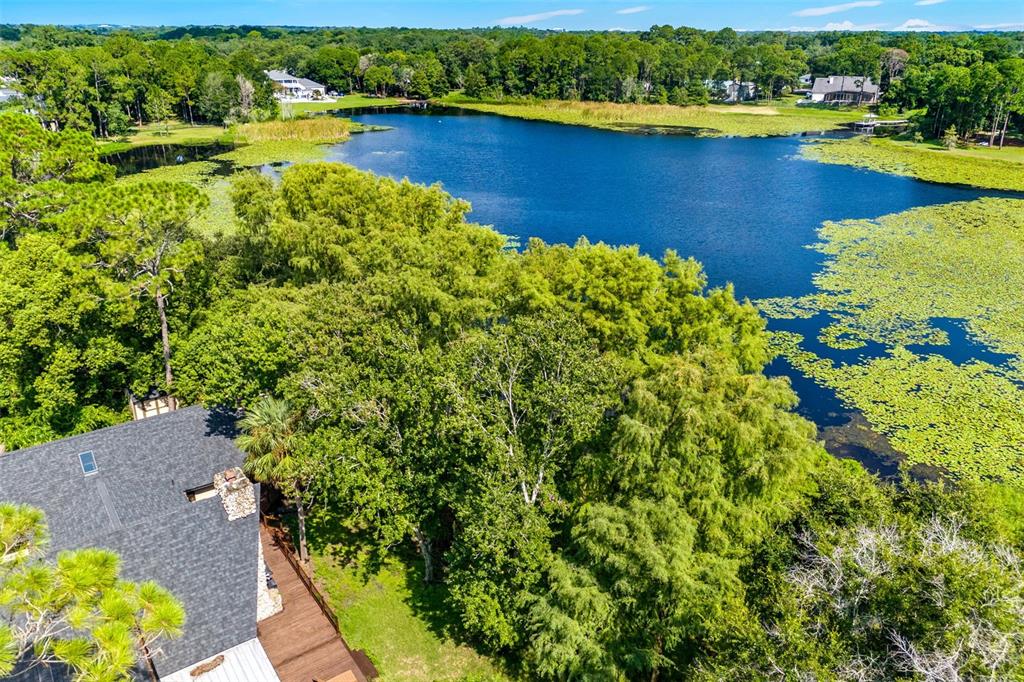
{"x": 886, "y": 281}
{"x": 964, "y": 418}
{"x": 989, "y": 168}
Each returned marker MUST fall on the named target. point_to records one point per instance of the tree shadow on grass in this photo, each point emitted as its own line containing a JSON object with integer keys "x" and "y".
{"x": 346, "y": 546}
{"x": 431, "y": 603}
{"x": 360, "y": 551}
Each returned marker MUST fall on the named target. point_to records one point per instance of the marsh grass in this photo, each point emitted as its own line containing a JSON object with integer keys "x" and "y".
{"x": 293, "y": 141}
{"x": 978, "y": 167}
{"x": 743, "y": 120}
{"x": 317, "y": 130}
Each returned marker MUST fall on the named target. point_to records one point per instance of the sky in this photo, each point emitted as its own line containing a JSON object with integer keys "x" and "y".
{"x": 933, "y": 15}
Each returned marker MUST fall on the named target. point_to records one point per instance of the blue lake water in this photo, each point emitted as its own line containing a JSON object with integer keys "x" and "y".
{"x": 746, "y": 208}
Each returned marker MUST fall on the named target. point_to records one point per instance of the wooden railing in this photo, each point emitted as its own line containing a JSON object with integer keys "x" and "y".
{"x": 283, "y": 537}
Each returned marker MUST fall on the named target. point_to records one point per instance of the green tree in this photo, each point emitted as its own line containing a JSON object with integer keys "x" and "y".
{"x": 950, "y": 138}
{"x": 474, "y": 83}
{"x": 705, "y": 460}
{"x": 379, "y": 78}
{"x": 76, "y": 609}
{"x": 141, "y": 235}
{"x": 218, "y": 95}
{"x": 899, "y": 599}
{"x": 333, "y": 66}
{"x": 270, "y": 434}
{"x": 428, "y": 79}
{"x": 41, "y": 172}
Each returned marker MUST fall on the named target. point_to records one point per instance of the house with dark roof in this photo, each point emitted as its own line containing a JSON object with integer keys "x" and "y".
{"x": 167, "y": 494}
{"x": 288, "y": 87}
{"x": 849, "y": 90}
{"x": 731, "y": 91}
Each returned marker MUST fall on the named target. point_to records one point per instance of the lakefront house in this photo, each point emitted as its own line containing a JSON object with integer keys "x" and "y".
{"x": 168, "y": 495}
{"x": 731, "y": 91}
{"x": 292, "y": 88}
{"x": 844, "y": 90}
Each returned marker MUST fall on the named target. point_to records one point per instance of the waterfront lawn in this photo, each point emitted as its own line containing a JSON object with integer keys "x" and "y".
{"x": 984, "y": 167}
{"x": 174, "y": 132}
{"x": 403, "y": 625}
{"x": 296, "y": 141}
{"x": 353, "y": 101}
{"x": 782, "y": 117}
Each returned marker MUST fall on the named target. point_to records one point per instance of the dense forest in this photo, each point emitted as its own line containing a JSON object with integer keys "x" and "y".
{"x": 578, "y": 442}
{"x": 106, "y": 81}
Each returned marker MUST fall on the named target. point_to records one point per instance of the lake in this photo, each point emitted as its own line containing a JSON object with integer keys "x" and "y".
{"x": 746, "y": 208}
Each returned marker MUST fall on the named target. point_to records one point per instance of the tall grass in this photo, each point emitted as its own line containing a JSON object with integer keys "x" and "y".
{"x": 318, "y": 130}
{"x": 746, "y": 120}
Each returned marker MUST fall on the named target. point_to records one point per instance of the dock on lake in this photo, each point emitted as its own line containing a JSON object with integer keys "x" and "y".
{"x": 870, "y": 125}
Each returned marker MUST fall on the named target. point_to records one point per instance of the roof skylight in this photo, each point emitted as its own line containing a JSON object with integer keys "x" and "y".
{"x": 88, "y": 462}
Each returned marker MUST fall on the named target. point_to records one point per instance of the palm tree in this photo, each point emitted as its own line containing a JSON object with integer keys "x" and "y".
{"x": 269, "y": 438}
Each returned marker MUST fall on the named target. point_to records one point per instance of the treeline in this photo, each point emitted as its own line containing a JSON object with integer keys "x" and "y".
{"x": 578, "y": 442}
{"x": 106, "y": 81}
{"x": 123, "y": 82}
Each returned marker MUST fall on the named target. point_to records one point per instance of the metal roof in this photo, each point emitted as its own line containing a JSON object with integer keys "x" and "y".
{"x": 285, "y": 77}
{"x": 246, "y": 662}
{"x": 309, "y": 85}
{"x": 135, "y": 505}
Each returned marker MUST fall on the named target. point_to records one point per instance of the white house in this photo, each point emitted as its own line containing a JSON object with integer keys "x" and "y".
{"x": 292, "y": 88}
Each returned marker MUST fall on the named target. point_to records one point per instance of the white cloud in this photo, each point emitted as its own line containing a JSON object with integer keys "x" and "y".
{"x": 541, "y": 16}
{"x": 633, "y": 10}
{"x": 832, "y": 9}
{"x": 923, "y": 25}
{"x": 1000, "y": 27}
{"x": 835, "y": 26}
{"x": 925, "y": 3}
{"x": 850, "y": 26}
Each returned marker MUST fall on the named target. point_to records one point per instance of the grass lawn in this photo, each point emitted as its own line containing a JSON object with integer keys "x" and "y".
{"x": 985, "y": 167}
{"x": 354, "y": 101}
{"x": 782, "y": 117}
{"x": 171, "y": 133}
{"x": 256, "y": 144}
{"x": 403, "y": 625}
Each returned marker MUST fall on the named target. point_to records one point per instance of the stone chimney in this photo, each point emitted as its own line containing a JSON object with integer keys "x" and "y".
{"x": 237, "y": 494}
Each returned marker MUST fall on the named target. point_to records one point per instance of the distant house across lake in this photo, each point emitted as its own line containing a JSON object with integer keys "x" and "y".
{"x": 850, "y": 90}
{"x": 731, "y": 91}
{"x": 294, "y": 89}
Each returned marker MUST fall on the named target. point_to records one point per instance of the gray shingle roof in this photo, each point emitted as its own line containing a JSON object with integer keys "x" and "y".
{"x": 275, "y": 75}
{"x": 309, "y": 85}
{"x": 844, "y": 84}
{"x": 136, "y": 506}
{"x": 285, "y": 77}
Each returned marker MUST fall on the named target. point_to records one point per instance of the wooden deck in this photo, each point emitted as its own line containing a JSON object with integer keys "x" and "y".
{"x": 300, "y": 641}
